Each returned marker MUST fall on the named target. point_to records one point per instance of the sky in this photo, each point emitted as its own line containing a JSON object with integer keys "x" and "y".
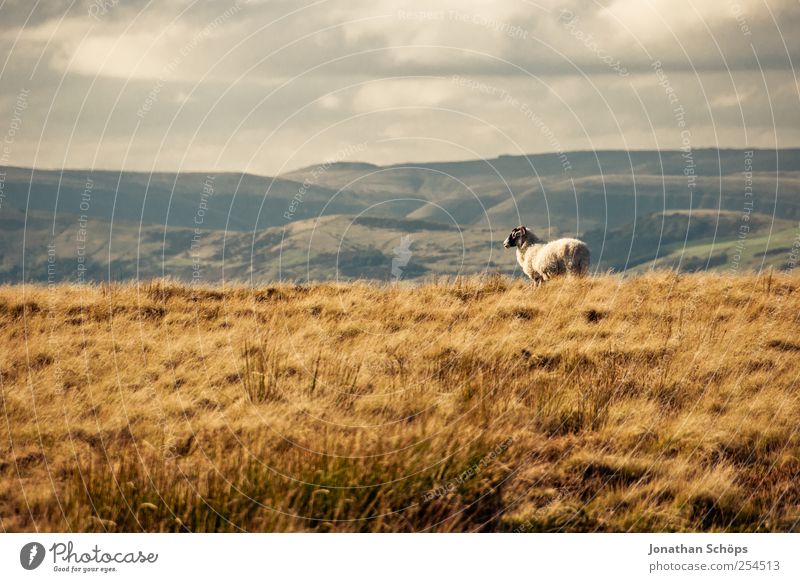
{"x": 270, "y": 86}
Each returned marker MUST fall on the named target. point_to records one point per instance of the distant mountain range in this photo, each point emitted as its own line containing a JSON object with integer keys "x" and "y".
{"x": 710, "y": 209}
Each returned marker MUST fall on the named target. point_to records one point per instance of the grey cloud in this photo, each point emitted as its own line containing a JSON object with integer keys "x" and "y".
{"x": 209, "y": 74}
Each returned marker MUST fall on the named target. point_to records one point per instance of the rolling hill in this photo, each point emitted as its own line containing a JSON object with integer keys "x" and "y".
{"x": 637, "y": 210}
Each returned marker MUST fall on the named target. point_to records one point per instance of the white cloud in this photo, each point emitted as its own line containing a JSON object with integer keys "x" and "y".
{"x": 401, "y": 93}
{"x": 130, "y": 56}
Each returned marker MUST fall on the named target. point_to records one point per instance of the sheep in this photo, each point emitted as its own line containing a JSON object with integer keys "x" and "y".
{"x": 542, "y": 261}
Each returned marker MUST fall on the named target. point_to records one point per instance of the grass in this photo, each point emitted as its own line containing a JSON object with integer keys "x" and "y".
{"x": 655, "y": 403}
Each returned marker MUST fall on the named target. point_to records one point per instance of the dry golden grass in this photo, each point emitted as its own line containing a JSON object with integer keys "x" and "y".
{"x": 661, "y": 402}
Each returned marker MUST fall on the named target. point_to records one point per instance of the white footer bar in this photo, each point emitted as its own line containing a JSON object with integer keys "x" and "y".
{"x": 389, "y": 557}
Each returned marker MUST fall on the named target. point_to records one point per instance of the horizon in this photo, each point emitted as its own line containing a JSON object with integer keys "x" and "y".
{"x": 408, "y": 163}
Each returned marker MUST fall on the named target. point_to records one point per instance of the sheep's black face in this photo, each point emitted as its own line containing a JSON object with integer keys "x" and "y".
{"x": 516, "y": 238}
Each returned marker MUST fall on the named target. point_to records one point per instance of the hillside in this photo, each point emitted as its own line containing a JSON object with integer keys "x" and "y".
{"x": 696, "y": 241}
{"x": 242, "y": 227}
{"x": 661, "y": 402}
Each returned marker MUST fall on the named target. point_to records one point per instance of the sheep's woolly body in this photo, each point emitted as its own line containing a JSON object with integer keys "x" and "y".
{"x": 541, "y": 261}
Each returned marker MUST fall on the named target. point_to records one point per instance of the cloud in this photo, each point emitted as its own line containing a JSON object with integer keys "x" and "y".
{"x": 400, "y": 93}
{"x": 266, "y": 84}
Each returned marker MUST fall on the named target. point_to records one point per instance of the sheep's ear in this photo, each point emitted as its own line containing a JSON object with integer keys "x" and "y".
{"x": 523, "y": 230}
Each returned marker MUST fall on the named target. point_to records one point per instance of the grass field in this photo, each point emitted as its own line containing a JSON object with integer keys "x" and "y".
{"x": 650, "y": 403}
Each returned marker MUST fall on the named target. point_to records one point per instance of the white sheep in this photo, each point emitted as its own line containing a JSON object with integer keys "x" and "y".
{"x": 541, "y": 261}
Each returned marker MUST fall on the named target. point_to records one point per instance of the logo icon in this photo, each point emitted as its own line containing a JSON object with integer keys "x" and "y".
{"x": 31, "y": 555}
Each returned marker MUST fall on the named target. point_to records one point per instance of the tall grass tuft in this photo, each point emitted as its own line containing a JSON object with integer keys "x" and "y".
{"x": 263, "y": 369}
